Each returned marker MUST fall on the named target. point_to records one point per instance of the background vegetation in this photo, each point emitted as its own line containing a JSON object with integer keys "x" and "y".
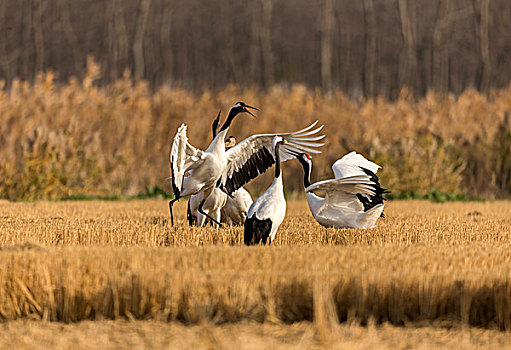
{"x": 65, "y": 140}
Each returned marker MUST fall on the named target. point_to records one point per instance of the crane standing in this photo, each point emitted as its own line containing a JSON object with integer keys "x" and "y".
{"x": 268, "y": 211}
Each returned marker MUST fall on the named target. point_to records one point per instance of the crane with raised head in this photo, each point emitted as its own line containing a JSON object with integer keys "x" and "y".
{"x": 231, "y": 169}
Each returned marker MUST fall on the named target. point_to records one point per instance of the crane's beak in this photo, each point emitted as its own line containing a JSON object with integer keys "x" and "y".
{"x": 246, "y": 110}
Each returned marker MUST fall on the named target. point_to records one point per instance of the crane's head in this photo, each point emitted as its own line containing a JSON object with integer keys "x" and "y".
{"x": 230, "y": 142}
{"x": 305, "y": 159}
{"x": 242, "y": 107}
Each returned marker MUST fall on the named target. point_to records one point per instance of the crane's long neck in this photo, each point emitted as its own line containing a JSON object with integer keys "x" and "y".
{"x": 307, "y": 168}
{"x": 218, "y": 143}
{"x": 232, "y": 113}
{"x": 306, "y": 175}
{"x": 278, "y": 173}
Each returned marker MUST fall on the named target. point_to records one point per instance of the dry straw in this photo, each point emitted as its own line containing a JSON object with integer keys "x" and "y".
{"x": 425, "y": 262}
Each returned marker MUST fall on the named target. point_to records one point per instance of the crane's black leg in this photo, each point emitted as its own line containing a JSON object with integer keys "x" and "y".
{"x": 171, "y": 203}
{"x": 207, "y": 215}
{"x": 192, "y": 220}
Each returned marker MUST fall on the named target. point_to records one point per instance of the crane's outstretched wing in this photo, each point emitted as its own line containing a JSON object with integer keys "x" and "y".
{"x": 183, "y": 157}
{"x": 360, "y": 189}
{"x": 351, "y": 163}
{"x": 254, "y": 155}
{"x": 348, "y": 185}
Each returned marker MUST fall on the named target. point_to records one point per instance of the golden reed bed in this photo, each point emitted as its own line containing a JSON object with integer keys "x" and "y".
{"x": 61, "y": 140}
{"x": 425, "y": 262}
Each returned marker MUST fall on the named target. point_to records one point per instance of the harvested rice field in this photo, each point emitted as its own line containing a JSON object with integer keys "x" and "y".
{"x": 433, "y": 275}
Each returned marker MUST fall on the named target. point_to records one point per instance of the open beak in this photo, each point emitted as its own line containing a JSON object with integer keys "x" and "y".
{"x": 246, "y": 110}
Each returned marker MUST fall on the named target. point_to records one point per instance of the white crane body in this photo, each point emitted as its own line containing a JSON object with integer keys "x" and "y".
{"x": 235, "y": 210}
{"x": 353, "y": 199}
{"x": 268, "y": 211}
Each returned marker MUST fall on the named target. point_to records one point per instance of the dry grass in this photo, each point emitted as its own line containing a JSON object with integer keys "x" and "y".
{"x": 146, "y": 224}
{"x": 77, "y": 138}
{"x": 465, "y": 284}
{"x": 426, "y": 262}
{"x": 158, "y": 335}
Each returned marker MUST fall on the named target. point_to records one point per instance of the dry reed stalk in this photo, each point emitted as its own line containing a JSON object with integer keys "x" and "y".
{"x": 77, "y": 138}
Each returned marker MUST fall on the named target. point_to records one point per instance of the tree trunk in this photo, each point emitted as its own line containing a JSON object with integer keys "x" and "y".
{"x": 27, "y": 63}
{"x": 370, "y": 48}
{"x": 37, "y": 26}
{"x": 327, "y": 29}
{"x": 485, "y": 46}
{"x": 266, "y": 48}
{"x": 138, "y": 41}
{"x": 407, "y": 58}
{"x": 440, "y": 66}
{"x": 71, "y": 37}
{"x": 165, "y": 43}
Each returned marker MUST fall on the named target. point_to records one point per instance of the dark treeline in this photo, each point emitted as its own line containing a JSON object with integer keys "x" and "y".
{"x": 367, "y": 47}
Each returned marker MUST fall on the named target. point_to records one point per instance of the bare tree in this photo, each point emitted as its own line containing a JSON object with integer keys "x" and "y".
{"x": 370, "y": 53}
{"x": 444, "y": 45}
{"x": 327, "y": 29}
{"x": 70, "y": 35}
{"x": 408, "y": 58}
{"x": 266, "y": 48}
{"x": 440, "y": 68}
{"x": 482, "y": 9}
{"x": 138, "y": 41}
{"x": 37, "y": 26}
{"x": 27, "y": 64}
{"x": 165, "y": 41}
{"x": 6, "y": 57}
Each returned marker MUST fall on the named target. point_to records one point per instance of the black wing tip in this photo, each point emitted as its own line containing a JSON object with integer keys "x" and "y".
{"x": 377, "y": 198}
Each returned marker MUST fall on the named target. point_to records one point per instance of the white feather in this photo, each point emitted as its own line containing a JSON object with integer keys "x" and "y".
{"x": 350, "y": 165}
{"x": 183, "y": 157}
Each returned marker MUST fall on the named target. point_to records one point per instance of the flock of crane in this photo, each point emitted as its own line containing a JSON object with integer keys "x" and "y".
{"x": 213, "y": 179}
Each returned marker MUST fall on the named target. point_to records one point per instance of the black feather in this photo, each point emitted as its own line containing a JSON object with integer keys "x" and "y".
{"x": 370, "y": 201}
{"x": 257, "y": 231}
{"x": 257, "y": 164}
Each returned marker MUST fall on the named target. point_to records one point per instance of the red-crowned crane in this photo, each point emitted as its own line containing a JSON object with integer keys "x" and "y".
{"x": 268, "y": 211}
{"x": 354, "y": 199}
{"x": 229, "y": 170}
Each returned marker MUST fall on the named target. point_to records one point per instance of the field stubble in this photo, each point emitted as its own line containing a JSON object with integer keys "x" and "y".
{"x": 146, "y": 224}
{"x": 244, "y": 335}
{"x": 424, "y": 263}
